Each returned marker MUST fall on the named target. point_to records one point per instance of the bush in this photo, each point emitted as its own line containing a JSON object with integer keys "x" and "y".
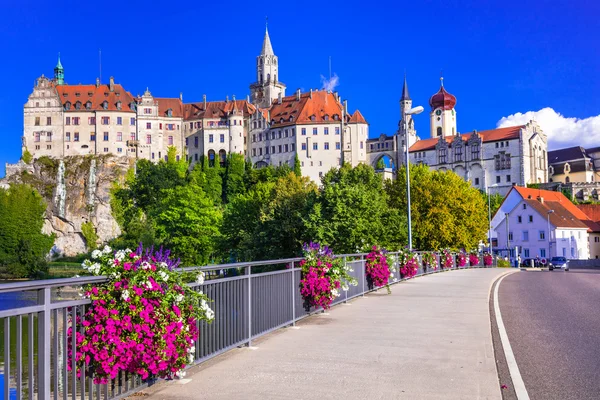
{"x": 89, "y": 234}
{"x": 503, "y": 263}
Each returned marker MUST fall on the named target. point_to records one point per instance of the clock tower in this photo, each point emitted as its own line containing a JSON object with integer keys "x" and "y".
{"x": 442, "y": 115}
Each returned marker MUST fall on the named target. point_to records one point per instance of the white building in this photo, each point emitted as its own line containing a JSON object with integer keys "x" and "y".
{"x": 495, "y": 159}
{"x": 541, "y": 223}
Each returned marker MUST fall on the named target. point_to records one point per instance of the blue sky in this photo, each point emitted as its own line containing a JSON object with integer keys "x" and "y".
{"x": 497, "y": 59}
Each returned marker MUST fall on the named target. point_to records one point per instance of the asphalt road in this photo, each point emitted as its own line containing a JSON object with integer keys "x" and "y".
{"x": 553, "y": 324}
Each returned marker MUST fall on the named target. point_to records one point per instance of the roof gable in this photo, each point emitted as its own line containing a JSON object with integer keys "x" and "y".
{"x": 493, "y": 135}
{"x": 96, "y": 96}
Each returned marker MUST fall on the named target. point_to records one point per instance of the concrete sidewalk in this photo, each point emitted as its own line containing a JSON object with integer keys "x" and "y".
{"x": 429, "y": 339}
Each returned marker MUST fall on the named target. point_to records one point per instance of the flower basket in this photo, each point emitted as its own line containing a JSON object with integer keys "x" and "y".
{"x": 488, "y": 260}
{"x": 142, "y": 321}
{"x": 323, "y": 276}
{"x": 446, "y": 259}
{"x": 377, "y": 270}
{"x": 409, "y": 265}
{"x": 461, "y": 259}
{"x": 429, "y": 260}
{"x": 473, "y": 259}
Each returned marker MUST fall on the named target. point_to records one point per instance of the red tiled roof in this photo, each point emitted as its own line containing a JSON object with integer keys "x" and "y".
{"x": 216, "y": 109}
{"x": 320, "y": 105}
{"x": 564, "y": 209}
{"x": 592, "y": 211}
{"x": 492, "y": 135}
{"x": 358, "y": 118}
{"x": 96, "y": 95}
{"x": 174, "y": 104}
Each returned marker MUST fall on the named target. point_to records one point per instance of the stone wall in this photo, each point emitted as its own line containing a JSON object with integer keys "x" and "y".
{"x": 77, "y": 190}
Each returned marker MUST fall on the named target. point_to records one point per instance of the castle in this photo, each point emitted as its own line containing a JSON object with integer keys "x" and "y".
{"x": 493, "y": 160}
{"x": 267, "y": 128}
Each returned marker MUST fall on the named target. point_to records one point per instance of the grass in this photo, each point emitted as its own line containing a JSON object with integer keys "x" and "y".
{"x": 63, "y": 269}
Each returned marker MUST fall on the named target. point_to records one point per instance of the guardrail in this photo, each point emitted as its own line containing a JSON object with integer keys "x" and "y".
{"x": 247, "y": 305}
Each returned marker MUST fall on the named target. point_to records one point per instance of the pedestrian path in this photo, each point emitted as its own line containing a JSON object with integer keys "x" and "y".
{"x": 429, "y": 339}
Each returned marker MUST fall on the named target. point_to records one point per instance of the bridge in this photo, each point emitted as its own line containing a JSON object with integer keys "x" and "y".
{"x": 429, "y": 338}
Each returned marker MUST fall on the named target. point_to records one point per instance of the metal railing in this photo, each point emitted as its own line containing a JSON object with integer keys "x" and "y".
{"x": 247, "y": 304}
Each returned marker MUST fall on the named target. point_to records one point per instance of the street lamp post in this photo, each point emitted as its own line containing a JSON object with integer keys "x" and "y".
{"x": 507, "y": 238}
{"x": 549, "y": 236}
{"x": 412, "y": 111}
{"x": 487, "y": 191}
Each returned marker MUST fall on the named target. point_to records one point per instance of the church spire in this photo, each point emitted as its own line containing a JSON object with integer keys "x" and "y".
{"x": 267, "y": 49}
{"x": 59, "y": 72}
{"x": 405, "y": 95}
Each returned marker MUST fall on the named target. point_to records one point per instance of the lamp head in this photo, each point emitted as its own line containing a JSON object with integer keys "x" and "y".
{"x": 415, "y": 110}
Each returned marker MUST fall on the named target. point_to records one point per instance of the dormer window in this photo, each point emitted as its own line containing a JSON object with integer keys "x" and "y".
{"x": 169, "y": 112}
{"x": 105, "y": 105}
{"x": 312, "y": 118}
{"x": 281, "y": 120}
{"x": 118, "y": 105}
{"x": 336, "y": 117}
{"x": 567, "y": 168}
{"x": 326, "y": 117}
{"x": 66, "y": 94}
{"x": 105, "y": 94}
{"x": 68, "y": 105}
{"x": 78, "y": 105}
{"x": 133, "y": 106}
{"x": 77, "y": 94}
{"x": 291, "y": 118}
{"x": 88, "y": 105}
{"x": 90, "y": 94}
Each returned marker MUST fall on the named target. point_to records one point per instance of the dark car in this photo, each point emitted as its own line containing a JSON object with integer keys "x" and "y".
{"x": 558, "y": 263}
{"x": 527, "y": 263}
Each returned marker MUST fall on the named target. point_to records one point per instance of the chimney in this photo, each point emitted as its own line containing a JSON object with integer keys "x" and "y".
{"x": 298, "y": 94}
{"x": 337, "y": 96}
{"x": 311, "y": 93}
{"x": 279, "y": 98}
{"x": 346, "y": 107}
{"x": 180, "y": 96}
{"x": 541, "y": 199}
{"x": 248, "y": 98}
{"x": 204, "y": 101}
{"x": 97, "y": 82}
{"x": 111, "y": 84}
{"x": 233, "y": 97}
{"x": 226, "y": 99}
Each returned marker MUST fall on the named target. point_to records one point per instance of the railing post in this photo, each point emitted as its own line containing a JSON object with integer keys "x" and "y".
{"x": 345, "y": 291}
{"x": 362, "y": 264}
{"x": 44, "y": 299}
{"x": 293, "y": 295}
{"x": 249, "y": 306}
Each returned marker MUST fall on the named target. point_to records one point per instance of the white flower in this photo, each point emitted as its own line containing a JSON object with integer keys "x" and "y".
{"x": 345, "y": 287}
{"x": 180, "y": 374}
{"x": 145, "y": 265}
{"x": 96, "y": 254}
{"x": 178, "y": 298}
{"x": 120, "y": 255}
{"x": 164, "y": 275}
{"x": 192, "y": 349}
{"x": 162, "y": 265}
{"x": 210, "y": 314}
{"x": 125, "y": 295}
{"x": 203, "y": 304}
{"x": 200, "y": 278}
{"x": 128, "y": 251}
{"x": 106, "y": 250}
{"x": 335, "y": 293}
{"x": 325, "y": 269}
{"x": 191, "y": 359}
{"x": 149, "y": 284}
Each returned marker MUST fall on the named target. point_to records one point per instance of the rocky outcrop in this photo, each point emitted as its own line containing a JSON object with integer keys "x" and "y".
{"x": 77, "y": 191}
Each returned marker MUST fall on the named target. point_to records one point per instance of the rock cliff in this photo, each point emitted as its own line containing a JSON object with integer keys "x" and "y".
{"x": 77, "y": 191}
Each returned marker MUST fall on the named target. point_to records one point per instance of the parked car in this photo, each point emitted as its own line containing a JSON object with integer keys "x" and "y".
{"x": 558, "y": 263}
{"x": 527, "y": 263}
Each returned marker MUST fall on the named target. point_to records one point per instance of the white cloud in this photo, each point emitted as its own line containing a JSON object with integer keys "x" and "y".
{"x": 331, "y": 83}
{"x": 562, "y": 131}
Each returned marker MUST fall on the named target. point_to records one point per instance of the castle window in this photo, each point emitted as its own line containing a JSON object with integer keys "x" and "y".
{"x": 67, "y": 136}
{"x": 76, "y": 137}
{"x": 326, "y": 117}
{"x": 475, "y": 151}
{"x": 337, "y": 130}
{"x": 78, "y": 105}
{"x": 148, "y": 139}
{"x": 132, "y": 121}
{"x": 303, "y": 131}
{"x": 315, "y": 131}
{"x": 476, "y": 181}
{"x": 93, "y": 137}
{"x": 68, "y": 105}
{"x": 88, "y": 105}
{"x": 119, "y": 120}
{"x": 37, "y": 121}
{"x": 326, "y": 132}
{"x": 439, "y": 131}
{"x": 442, "y": 156}
{"x": 458, "y": 153}
{"x": 37, "y": 136}
{"x": 169, "y": 113}
{"x": 106, "y": 136}
{"x": 170, "y": 141}
{"x": 312, "y": 117}
{"x": 118, "y": 104}
{"x": 119, "y": 136}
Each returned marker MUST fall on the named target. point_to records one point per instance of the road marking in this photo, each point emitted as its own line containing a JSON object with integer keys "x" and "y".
{"x": 513, "y": 368}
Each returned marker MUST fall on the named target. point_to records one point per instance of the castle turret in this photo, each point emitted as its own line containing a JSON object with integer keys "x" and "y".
{"x": 59, "y": 73}
{"x": 236, "y": 129}
{"x": 443, "y": 115}
{"x": 267, "y": 86}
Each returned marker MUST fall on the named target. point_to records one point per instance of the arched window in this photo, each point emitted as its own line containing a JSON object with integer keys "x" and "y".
{"x": 439, "y": 131}
{"x": 222, "y": 157}
{"x": 268, "y": 77}
{"x": 211, "y": 158}
{"x": 567, "y": 180}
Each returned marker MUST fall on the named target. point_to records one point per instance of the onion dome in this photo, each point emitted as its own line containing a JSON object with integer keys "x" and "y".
{"x": 442, "y": 99}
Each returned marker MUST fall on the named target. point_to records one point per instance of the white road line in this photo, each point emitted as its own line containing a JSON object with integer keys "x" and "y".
{"x": 513, "y": 368}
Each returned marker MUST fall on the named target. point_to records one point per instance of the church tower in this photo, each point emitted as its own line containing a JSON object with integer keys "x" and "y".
{"x": 267, "y": 86}
{"x": 59, "y": 73}
{"x": 443, "y": 115}
{"x": 406, "y": 126}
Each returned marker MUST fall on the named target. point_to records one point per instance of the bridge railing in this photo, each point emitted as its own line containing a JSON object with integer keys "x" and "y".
{"x": 247, "y": 302}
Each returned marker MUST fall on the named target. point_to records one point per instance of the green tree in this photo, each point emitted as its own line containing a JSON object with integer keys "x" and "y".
{"x": 212, "y": 184}
{"x": 380, "y": 164}
{"x": 188, "y": 224}
{"x": 233, "y": 183}
{"x": 445, "y": 210}
{"x": 297, "y": 168}
{"x": 495, "y": 200}
{"x": 23, "y": 246}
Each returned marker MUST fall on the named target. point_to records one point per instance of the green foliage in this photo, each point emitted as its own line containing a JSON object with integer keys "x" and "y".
{"x": 352, "y": 213}
{"x": 23, "y": 246}
{"x": 233, "y": 183}
{"x": 502, "y": 263}
{"x": 27, "y": 157}
{"x": 495, "y": 200}
{"x": 380, "y": 164}
{"x": 297, "y": 168}
{"x": 89, "y": 234}
{"x": 534, "y": 185}
{"x": 567, "y": 192}
{"x": 446, "y": 211}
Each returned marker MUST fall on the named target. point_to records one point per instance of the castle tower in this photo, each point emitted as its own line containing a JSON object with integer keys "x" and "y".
{"x": 267, "y": 86}
{"x": 406, "y": 126}
{"x": 59, "y": 73}
{"x": 236, "y": 129}
{"x": 443, "y": 115}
